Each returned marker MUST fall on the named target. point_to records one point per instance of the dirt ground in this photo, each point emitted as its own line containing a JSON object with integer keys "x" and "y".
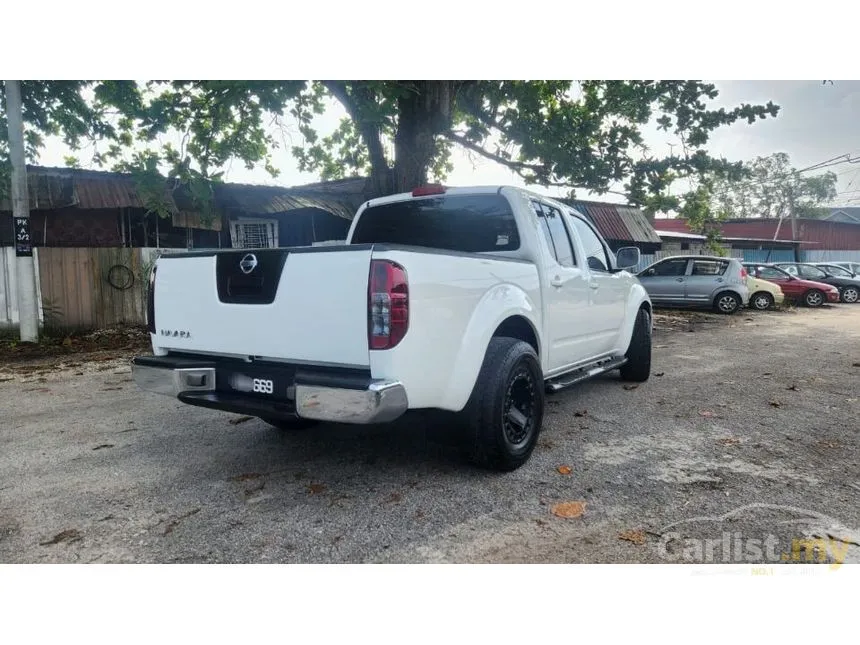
{"x": 742, "y": 446}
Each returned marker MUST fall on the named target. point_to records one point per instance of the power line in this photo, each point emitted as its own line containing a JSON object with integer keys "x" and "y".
{"x": 829, "y": 163}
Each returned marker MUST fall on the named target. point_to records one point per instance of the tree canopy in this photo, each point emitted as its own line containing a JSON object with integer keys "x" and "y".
{"x": 578, "y": 135}
{"x": 773, "y": 188}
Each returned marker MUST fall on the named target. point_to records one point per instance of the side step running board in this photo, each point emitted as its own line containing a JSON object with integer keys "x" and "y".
{"x": 566, "y": 380}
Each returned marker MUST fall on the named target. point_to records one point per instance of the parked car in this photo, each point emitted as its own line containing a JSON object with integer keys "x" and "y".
{"x": 849, "y": 293}
{"x": 469, "y": 300}
{"x": 853, "y": 267}
{"x": 697, "y": 281}
{"x": 764, "y": 295}
{"x": 806, "y": 292}
{"x": 849, "y": 288}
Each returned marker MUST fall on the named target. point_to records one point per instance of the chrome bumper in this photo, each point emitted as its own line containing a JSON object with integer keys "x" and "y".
{"x": 380, "y": 401}
{"x": 172, "y": 382}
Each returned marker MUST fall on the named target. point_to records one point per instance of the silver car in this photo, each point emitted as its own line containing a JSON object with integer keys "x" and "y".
{"x": 851, "y": 267}
{"x": 697, "y": 281}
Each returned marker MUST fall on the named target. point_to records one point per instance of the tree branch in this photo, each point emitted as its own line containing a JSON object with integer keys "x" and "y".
{"x": 517, "y": 166}
{"x": 369, "y": 131}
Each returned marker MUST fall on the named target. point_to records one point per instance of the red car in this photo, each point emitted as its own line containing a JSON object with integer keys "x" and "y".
{"x": 808, "y": 292}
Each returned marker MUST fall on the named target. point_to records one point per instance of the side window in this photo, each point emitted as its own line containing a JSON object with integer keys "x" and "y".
{"x": 811, "y": 273}
{"x": 554, "y": 230}
{"x": 791, "y": 269}
{"x": 595, "y": 253}
{"x": 709, "y": 267}
{"x": 677, "y": 267}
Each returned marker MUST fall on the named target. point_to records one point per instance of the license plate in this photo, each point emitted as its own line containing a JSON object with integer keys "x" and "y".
{"x": 262, "y": 382}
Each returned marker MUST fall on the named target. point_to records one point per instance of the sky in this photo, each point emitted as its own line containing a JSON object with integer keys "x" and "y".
{"x": 816, "y": 122}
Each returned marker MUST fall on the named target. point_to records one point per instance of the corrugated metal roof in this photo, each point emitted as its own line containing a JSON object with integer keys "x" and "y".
{"x": 54, "y": 188}
{"x": 617, "y": 221}
{"x": 813, "y": 233}
{"x": 605, "y": 218}
{"x": 272, "y": 199}
{"x": 638, "y": 224}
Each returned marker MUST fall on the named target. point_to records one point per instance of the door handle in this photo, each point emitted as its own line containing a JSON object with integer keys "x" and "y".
{"x": 679, "y": 279}
{"x": 557, "y": 281}
{"x": 594, "y": 285}
{"x": 719, "y": 279}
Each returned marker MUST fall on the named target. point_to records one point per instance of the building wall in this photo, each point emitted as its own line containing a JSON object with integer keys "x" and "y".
{"x": 682, "y": 246}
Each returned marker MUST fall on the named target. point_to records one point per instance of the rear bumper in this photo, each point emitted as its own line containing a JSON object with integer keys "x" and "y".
{"x": 320, "y": 396}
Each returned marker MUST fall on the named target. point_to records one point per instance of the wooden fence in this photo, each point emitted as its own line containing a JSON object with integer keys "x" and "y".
{"x": 82, "y": 288}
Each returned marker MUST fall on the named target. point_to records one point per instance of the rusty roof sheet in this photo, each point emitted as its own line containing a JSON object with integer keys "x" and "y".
{"x": 54, "y": 188}
{"x": 617, "y": 221}
{"x": 638, "y": 224}
{"x": 273, "y": 199}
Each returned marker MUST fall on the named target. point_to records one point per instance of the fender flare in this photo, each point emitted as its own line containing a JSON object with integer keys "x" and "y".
{"x": 635, "y": 299}
{"x": 501, "y": 302}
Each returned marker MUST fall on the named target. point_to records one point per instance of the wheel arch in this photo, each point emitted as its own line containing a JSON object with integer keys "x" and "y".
{"x": 505, "y": 310}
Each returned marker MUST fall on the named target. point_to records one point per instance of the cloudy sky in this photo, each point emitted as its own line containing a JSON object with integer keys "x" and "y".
{"x": 817, "y": 122}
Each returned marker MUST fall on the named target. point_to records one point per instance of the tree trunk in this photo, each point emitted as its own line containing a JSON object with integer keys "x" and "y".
{"x": 423, "y": 114}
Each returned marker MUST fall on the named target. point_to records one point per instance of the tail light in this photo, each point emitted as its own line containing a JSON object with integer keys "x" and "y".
{"x": 150, "y": 302}
{"x": 387, "y": 304}
{"x": 744, "y": 273}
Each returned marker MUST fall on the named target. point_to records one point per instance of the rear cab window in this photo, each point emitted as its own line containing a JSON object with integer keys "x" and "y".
{"x": 479, "y": 223}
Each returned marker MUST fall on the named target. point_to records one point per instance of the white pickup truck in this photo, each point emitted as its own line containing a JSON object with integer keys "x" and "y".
{"x": 471, "y": 300}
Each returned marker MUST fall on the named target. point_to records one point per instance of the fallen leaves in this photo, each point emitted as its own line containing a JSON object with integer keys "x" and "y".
{"x": 775, "y": 404}
{"x": 855, "y": 364}
{"x": 103, "y": 445}
{"x": 659, "y": 373}
{"x": 636, "y": 537}
{"x": 580, "y": 413}
{"x": 316, "y": 489}
{"x": 792, "y": 387}
{"x": 708, "y": 414}
{"x": 237, "y": 420}
{"x": 728, "y": 441}
{"x": 568, "y": 510}
{"x": 394, "y": 498}
{"x": 564, "y": 469}
{"x": 631, "y": 386}
{"x": 69, "y": 535}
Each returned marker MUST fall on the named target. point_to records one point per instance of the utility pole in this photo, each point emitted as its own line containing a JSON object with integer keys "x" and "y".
{"x": 28, "y": 308}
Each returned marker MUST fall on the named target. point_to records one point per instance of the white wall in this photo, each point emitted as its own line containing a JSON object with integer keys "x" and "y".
{"x": 9, "y": 287}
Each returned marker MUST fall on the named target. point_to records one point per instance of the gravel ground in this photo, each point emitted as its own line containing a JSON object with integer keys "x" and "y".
{"x": 748, "y": 430}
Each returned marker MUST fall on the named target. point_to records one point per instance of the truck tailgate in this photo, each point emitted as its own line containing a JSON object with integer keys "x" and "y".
{"x": 304, "y": 304}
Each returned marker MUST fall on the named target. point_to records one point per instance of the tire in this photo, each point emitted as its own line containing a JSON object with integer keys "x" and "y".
{"x": 291, "y": 425}
{"x": 638, "y": 365}
{"x": 850, "y": 294}
{"x": 761, "y": 300}
{"x": 504, "y": 413}
{"x": 727, "y": 302}
{"x": 814, "y": 298}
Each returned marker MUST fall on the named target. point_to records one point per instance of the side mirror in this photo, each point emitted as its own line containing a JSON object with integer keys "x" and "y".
{"x": 627, "y": 258}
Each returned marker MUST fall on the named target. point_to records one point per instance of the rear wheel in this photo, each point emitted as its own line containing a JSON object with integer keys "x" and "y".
{"x": 813, "y": 298}
{"x": 850, "y": 294}
{"x": 293, "y": 424}
{"x": 727, "y": 302}
{"x": 762, "y": 301}
{"x": 505, "y": 411}
{"x": 638, "y": 365}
